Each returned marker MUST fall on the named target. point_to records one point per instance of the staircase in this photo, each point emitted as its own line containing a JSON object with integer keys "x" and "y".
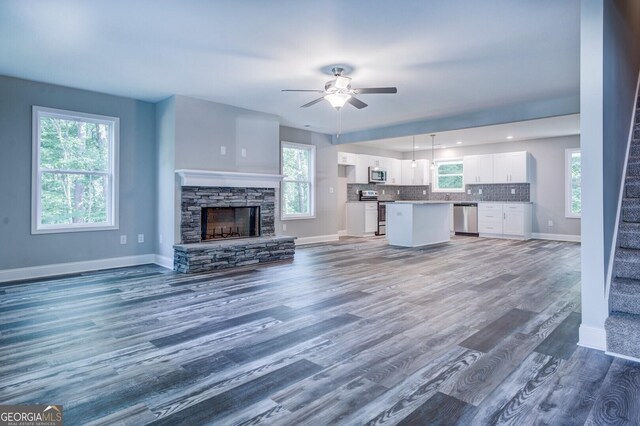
{"x": 623, "y": 324}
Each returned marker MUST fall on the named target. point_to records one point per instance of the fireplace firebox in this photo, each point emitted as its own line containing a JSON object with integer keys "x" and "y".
{"x": 230, "y": 222}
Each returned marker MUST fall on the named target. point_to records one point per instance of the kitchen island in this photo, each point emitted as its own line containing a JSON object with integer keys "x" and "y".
{"x": 418, "y": 223}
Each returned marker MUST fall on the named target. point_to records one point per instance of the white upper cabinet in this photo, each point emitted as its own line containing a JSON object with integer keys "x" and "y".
{"x": 346, "y": 159}
{"x": 511, "y": 167}
{"x": 478, "y": 169}
{"x": 418, "y": 175}
{"x": 394, "y": 171}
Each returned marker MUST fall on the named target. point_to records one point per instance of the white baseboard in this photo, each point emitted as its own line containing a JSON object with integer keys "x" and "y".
{"x": 164, "y": 261}
{"x": 628, "y": 358}
{"x": 556, "y": 237}
{"x": 593, "y": 337}
{"x": 74, "y": 267}
{"x": 317, "y": 239}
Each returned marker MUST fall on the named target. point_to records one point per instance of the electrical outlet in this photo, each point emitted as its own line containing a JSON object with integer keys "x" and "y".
{"x": 223, "y": 150}
{"x": 284, "y": 226}
{"x": 513, "y": 190}
{"x": 140, "y": 238}
{"x": 398, "y": 192}
{"x": 383, "y": 192}
{"x": 468, "y": 192}
{"x": 243, "y": 152}
{"x": 424, "y": 192}
{"x": 480, "y": 191}
{"x": 550, "y": 223}
{"x": 123, "y": 239}
{"x": 331, "y": 190}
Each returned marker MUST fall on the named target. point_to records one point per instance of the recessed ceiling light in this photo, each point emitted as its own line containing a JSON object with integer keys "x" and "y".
{"x": 509, "y": 137}
{"x": 459, "y": 143}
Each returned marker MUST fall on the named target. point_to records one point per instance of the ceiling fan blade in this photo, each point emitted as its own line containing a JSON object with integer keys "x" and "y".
{"x": 313, "y": 102}
{"x": 302, "y": 90}
{"x": 376, "y": 90}
{"x": 356, "y": 103}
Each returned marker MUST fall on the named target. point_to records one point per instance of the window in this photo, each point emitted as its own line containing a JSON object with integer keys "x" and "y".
{"x": 298, "y": 168}
{"x": 448, "y": 176}
{"x": 74, "y": 167}
{"x": 573, "y": 194}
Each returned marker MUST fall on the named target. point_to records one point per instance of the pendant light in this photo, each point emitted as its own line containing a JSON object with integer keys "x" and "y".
{"x": 413, "y": 155}
{"x": 433, "y": 158}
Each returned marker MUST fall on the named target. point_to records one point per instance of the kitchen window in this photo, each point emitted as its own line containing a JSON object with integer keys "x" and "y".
{"x": 298, "y": 184}
{"x": 75, "y": 179}
{"x": 448, "y": 176}
{"x": 573, "y": 194}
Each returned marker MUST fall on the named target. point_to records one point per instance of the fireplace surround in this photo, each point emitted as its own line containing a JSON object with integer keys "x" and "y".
{"x": 242, "y": 207}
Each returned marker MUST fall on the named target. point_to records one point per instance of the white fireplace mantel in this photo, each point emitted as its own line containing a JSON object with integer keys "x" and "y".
{"x": 228, "y": 179}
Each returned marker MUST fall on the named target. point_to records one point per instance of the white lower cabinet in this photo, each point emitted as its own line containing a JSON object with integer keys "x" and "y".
{"x": 507, "y": 220}
{"x": 362, "y": 218}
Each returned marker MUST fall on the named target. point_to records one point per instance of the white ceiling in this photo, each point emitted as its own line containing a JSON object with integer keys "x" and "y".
{"x": 564, "y": 125}
{"x": 445, "y": 56}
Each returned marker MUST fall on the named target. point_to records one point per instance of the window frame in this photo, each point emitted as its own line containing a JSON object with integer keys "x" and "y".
{"x": 567, "y": 183}
{"x": 434, "y": 175}
{"x": 112, "y": 173}
{"x": 312, "y": 181}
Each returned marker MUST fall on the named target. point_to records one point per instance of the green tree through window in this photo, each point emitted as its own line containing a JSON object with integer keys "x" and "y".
{"x": 297, "y": 186}
{"x": 574, "y": 193}
{"x": 74, "y": 170}
{"x": 449, "y": 175}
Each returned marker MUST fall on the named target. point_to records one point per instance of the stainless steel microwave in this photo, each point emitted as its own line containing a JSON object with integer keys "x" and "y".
{"x": 377, "y": 175}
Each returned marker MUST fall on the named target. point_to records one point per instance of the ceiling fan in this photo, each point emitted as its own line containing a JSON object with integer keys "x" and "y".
{"x": 339, "y": 91}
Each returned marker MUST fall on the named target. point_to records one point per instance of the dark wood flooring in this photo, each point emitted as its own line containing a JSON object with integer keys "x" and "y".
{"x": 473, "y": 332}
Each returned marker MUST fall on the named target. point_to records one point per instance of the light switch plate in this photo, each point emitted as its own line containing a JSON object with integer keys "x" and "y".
{"x": 331, "y": 190}
{"x": 513, "y": 190}
{"x": 424, "y": 192}
{"x": 223, "y": 150}
{"x": 123, "y": 239}
{"x": 284, "y": 226}
{"x": 469, "y": 191}
{"x": 140, "y": 238}
{"x": 480, "y": 191}
{"x": 550, "y": 223}
{"x": 243, "y": 152}
{"x": 398, "y": 192}
{"x": 383, "y": 192}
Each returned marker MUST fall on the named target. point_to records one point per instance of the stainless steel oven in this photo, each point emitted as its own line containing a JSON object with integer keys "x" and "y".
{"x": 382, "y": 217}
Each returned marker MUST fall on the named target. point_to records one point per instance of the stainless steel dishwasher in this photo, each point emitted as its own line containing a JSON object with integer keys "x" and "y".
{"x": 465, "y": 219}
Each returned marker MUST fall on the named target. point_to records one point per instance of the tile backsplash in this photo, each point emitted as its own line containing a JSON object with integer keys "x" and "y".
{"x": 490, "y": 192}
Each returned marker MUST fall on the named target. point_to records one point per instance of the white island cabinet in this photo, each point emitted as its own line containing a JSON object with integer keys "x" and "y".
{"x": 418, "y": 223}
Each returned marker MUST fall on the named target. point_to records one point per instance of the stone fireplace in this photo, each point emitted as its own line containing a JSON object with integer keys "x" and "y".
{"x": 226, "y": 205}
{"x": 227, "y": 219}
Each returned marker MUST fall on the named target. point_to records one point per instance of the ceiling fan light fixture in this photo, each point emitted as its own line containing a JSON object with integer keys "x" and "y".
{"x": 342, "y": 82}
{"x": 337, "y": 100}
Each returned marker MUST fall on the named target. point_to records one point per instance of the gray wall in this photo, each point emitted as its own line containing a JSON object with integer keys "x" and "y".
{"x": 547, "y": 177}
{"x": 166, "y": 188}
{"x": 18, "y": 248}
{"x": 202, "y": 127}
{"x": 326, "y": 221}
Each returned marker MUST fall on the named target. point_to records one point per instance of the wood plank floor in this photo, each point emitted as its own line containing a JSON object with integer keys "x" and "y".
{"x": 473, "y": 332}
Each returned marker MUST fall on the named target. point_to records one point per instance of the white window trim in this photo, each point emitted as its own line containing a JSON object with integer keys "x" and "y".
{"x": 434, "y": 175}
{"x": 567, "y": 183}
{"x": 113, "y": 196}
{"x": 312, "y": 182}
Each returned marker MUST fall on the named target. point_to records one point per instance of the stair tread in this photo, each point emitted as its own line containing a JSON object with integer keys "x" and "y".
{"x": 628, "y": 253}
{"x": 625, "y": 286}
{"x": 623, "y": 333}
{"x": 631, "y": 227}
